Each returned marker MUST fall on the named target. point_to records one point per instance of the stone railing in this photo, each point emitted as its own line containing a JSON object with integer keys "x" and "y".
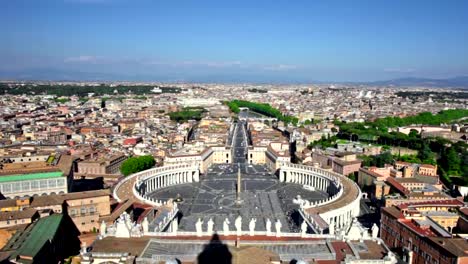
{"x": 313, "y": 178}
{"x": 339, "y": 209}
{"x": 151, "y": 180}
{"x": 144, "y": 176}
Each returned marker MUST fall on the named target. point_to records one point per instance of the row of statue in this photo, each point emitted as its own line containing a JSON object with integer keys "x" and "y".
{"x": 238, "y": 227}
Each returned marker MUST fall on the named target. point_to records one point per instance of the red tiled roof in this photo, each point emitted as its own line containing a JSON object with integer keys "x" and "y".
{"x": 397, "y": 185}
{"x": 464, "y": 210}
{"x": 448, "y": 202}
{"x": 427, "y": 166}
{"x": 420, "y": 231}
{"x": 341, "y": 249}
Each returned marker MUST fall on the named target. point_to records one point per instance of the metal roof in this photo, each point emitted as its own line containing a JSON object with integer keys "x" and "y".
{"x": 30, "y": 176}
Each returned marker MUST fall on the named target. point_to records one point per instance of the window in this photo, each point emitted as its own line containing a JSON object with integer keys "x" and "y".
{"x": 34, "y": 184}
{"x": 43, "y": 184}
{"x": 52, "y": 183}
{"x": 83, "y": 210}
{"x": 25, "y": 185}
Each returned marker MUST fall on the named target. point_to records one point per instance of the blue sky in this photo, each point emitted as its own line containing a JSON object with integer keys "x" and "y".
{"x": 238, "y": 40}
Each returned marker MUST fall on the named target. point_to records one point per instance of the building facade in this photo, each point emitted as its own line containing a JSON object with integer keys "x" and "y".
{"x": 419, "y": 238}
{"x": 33, "y": 184}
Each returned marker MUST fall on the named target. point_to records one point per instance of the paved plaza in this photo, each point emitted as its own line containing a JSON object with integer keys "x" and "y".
{"x": 263, "y": 196}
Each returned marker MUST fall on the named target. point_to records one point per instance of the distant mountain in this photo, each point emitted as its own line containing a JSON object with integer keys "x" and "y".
{"x": 455, "y": 82}
{"x": 246, "y": 77}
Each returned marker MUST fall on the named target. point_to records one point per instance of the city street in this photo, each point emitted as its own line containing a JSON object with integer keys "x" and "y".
{"x": 240, "y": 143}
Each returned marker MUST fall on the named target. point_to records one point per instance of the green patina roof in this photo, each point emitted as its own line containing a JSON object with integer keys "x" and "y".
{"x": 43, "y": 231}
{"x": 30, "y": 241}
{"x": 31, "y": 176}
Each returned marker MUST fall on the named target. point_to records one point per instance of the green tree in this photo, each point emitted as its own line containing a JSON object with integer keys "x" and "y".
{"x": 264, "y": 109}
{"x": 413, "y": 133}
{"x": 426, "y": 155}
{"x": 137, "y": 164}
{"x": 352, "y": 176}
{"x": 453, "y": 162}
{"x": 384, "y": 158}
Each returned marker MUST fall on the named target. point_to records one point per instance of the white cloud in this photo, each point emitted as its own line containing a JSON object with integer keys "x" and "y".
{"x": 280, "y": 67}
{"x": 400, "y": 70}
{"x": 88, "y": 1}
{"x": 84, "y": 58}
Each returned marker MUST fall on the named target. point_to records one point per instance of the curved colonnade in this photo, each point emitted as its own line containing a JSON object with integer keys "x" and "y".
{"x": 153, "y": 179}
{"x": 323, "y": 216}
{"x": 338, "y": 210}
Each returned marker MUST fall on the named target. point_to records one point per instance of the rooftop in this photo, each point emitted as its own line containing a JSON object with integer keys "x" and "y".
{"x": 14, "y": 215}
{"x": 30, "y": 241}
{"x": 454, "y": 246}
{"x": 30, "y": 176}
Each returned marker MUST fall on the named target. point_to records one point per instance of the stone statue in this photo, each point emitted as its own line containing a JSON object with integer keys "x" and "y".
{"x": 226, "y": 226}
{"x": 331, "y": 228}
{"x": 268, "y": 227}
{"x": 198, "y": 227}
{"x": 145, "y": 225}
{"x": 375, "y": 231}
{"x": 238, "y": 225}
{"x": 175, "y": 225}
{"x": 122, "y": 228}
{"x": 102, "y": 229}
{"x": 210, "y": 225}
{"x": 303, "y": 228}
{"x": 83, "y": 248}
{"x": 278, "y": 226}
{"x": 252, "y": 223}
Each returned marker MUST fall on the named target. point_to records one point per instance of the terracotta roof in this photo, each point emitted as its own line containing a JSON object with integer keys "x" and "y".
{"x": 448, "y": 202}
{"x": 427, "y": 232}
{"x": 58, "y": 199}
{"x": 455, "y": 246}
{"x": 464, "y": 211}
{"x": 14, "y": 215}
{"x": 347, "y": 162}
{"x": 427, "y": 166}
{"x": 393, "y": 211}
{"x": 341, "y": 249}
{"x": 7, "y": 203}
{"x": 371, "y": 173}
{"x": 394, "y": 183}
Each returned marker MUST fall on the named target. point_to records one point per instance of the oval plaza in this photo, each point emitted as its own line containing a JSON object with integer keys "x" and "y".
{"x": 246, "y": 199}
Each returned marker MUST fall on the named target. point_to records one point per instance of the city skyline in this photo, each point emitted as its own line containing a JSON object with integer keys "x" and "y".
{"x": 232, "y": 42}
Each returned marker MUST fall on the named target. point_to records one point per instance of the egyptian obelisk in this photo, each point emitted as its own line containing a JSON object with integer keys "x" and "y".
{"x": 239, "y": 185}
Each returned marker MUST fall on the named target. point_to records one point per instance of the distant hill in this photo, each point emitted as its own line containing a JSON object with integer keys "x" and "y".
{"x": 71, "y": 75}
{"x": 455, "y": 82}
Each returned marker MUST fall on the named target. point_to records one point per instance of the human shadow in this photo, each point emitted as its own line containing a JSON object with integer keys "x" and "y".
{"x": 215, "y": 252}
